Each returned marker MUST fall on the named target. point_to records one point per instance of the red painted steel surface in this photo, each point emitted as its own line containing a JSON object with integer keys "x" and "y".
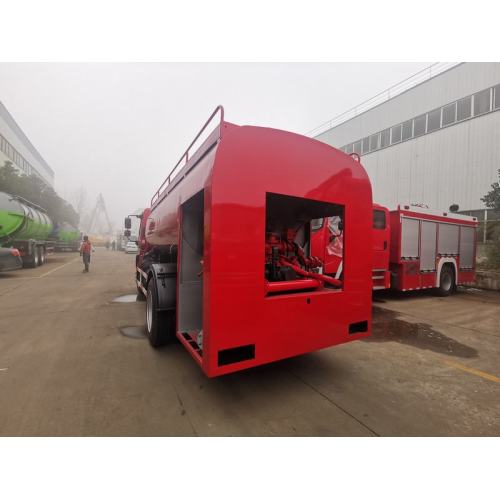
{"x": 407, "y": 274}
{"x": 380, "y": 244}
{"x": 235, "y": 174}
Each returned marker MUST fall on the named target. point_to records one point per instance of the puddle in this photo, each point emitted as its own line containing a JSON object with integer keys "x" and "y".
{"x": 388, "y": 328}
{"x": 125, "y": 298}
{"x": 134, "y": 332}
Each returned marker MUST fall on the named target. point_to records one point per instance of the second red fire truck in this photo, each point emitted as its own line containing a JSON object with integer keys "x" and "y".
{"x": 413, "y": 248}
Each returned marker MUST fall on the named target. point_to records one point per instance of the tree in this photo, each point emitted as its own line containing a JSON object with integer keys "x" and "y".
{"x": 33, "y": 189}
{"x": 492, "y": 198}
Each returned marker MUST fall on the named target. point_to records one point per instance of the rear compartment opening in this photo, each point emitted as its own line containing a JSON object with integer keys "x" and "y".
{"x": 290, "y": 264}
{"x": 190, "y": 313}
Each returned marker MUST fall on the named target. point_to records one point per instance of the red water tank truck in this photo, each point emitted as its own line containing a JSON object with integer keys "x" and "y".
{"x": 225, "y": 261}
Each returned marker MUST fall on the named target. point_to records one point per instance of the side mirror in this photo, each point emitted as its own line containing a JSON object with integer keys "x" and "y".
{"x": 126, "y": 233}
{"x": 128, "y": 223}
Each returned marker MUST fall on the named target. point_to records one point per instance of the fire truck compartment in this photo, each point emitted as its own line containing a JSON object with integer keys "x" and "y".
{"x": 190, "y": 303}
{"x": 241, "y": 203}
{"x": 288, "y": 225}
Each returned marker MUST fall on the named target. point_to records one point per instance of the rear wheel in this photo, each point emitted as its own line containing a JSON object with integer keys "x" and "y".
{"x": 32, "y": 260}
{"x": 160, "y": 325}
{"x": 41, "y": 255}
{"x": 446, "y": 281}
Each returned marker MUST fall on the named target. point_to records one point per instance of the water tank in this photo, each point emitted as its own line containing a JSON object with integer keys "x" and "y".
{"x": 20, "y": 220}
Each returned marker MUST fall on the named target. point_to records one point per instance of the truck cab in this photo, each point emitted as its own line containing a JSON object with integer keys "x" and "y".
{"x": 381, "y": 238}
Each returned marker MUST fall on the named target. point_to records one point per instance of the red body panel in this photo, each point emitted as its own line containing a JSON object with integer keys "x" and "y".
{"x": 406, "y": 272}
{"x": 381, "y": 239}
{"x": 236, "y": 174}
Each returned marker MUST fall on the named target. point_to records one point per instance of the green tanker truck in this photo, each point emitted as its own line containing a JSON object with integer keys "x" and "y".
{"x": 27, "y": 227}
{"x": 66, "y": 238}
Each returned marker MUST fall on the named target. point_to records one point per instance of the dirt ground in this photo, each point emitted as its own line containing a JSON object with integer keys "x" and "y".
{"x": 431, "y": 367}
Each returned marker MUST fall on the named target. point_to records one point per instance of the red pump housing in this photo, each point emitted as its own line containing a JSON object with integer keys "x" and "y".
{"x": 230, "y": 232}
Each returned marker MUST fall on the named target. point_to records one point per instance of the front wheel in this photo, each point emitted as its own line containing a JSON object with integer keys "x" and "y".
{"x": 446, "y": 281}
{"x": 160, "y": 325}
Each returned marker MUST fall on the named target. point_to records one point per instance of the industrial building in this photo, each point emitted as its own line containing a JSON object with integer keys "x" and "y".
{"x": 433, "y": 139}
{"x": 17, "y": 148}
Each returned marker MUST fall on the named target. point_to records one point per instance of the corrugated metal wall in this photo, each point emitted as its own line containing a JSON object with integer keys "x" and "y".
{"x": 453, "y": 165}
{"x": 456, "y": 164}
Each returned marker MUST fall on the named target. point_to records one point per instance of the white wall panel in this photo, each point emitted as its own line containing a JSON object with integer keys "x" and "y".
{"x": 456, "y": 164}
{"x": 453, "y": 165}
{"x": 21, "y": 143}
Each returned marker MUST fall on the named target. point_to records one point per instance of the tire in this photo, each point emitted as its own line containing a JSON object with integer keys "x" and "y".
{"x": 41, "y": 255}
{"x": 32, "y": 260}
{"x": 446, "y": 281}
{"x": 160, "y": 325}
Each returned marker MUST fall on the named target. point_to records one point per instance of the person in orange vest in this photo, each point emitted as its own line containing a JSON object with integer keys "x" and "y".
{"x": 85, "y": 251}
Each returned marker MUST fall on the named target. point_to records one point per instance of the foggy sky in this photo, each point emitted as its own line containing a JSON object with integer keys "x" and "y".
{"x": 118, "y": 129}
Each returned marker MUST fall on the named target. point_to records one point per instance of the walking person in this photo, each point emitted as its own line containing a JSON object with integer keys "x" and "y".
{"x": 85, "y": 250}
{"x": 113, "y": 245}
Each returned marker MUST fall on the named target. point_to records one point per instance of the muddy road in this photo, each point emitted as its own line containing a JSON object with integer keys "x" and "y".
{"x": 74, "y": 362}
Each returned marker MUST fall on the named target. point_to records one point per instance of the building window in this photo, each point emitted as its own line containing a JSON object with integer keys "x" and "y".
{"x": 464, "y": 108}
{"x": 474, "y": 105}
{"x": 496, "y": 90}
{"x": 366, "y": 145}
{"x": 407, "y": 130}
{"x": 419, "y": 125}
{"x": 385, "y": 138}
{"x": 449, "y": 114}
{"x": 374, "y": 142}
{"x": 434, "y": 120}
{"x": 482, "y": 102}
{"x": 396, "y": 134}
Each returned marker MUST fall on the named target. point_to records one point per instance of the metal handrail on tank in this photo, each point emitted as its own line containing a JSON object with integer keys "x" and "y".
{"x": 27, "y": 202}
{"x": 185, "y": 156}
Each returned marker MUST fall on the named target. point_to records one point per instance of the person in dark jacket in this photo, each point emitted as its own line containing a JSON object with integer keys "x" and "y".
{"x": 85, "y": 251}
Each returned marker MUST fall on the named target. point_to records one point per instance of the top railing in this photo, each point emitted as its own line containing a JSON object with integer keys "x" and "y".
{"x": 186, "y": 156}
{"x": 419, "y": 77}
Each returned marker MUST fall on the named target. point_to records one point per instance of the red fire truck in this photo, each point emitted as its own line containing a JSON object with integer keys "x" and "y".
{"x": 413, "y": 248}
{"x": 225, "y": 260}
